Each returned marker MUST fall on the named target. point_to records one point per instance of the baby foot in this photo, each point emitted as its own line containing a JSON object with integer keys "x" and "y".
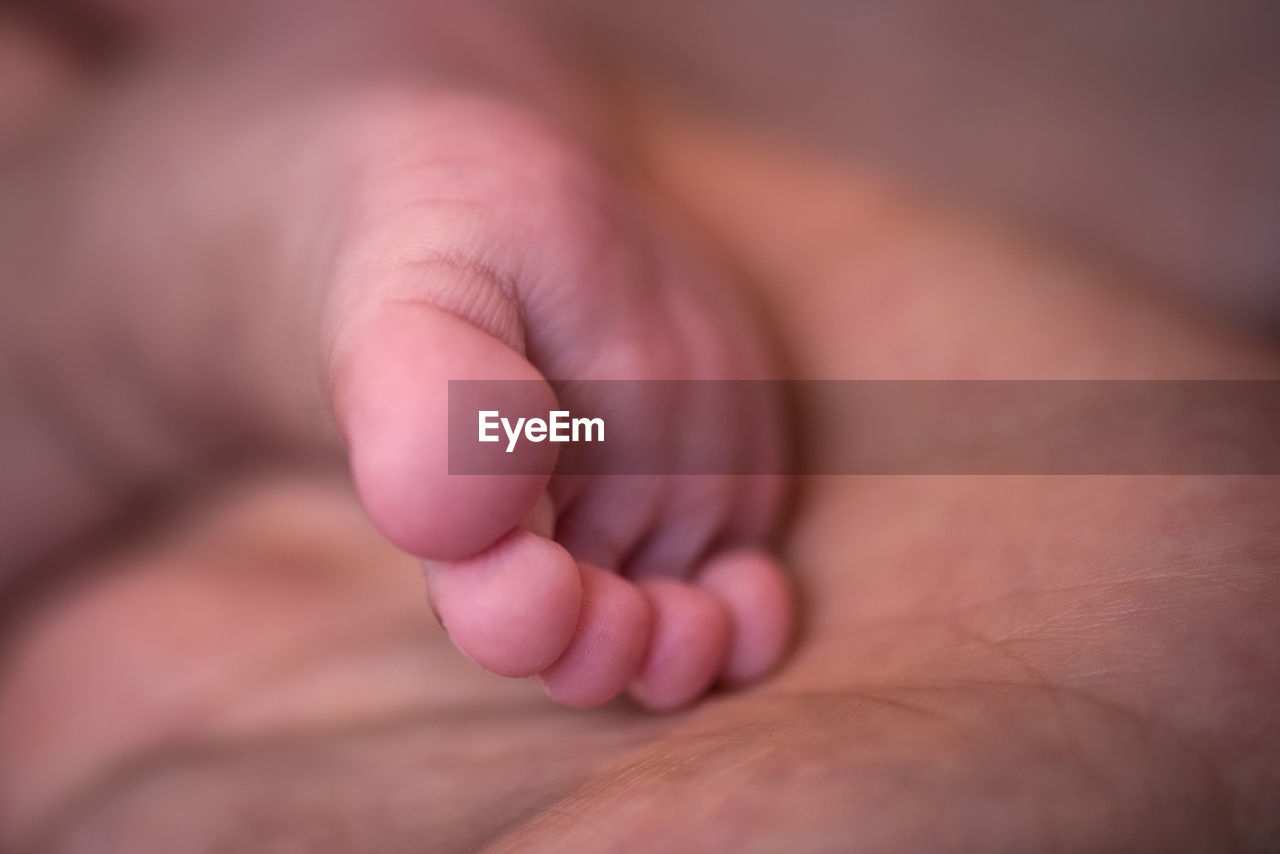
{"x": 494, "y": 249}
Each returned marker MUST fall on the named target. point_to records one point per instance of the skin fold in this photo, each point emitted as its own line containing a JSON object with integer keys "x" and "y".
{"x": 985, "y": 663}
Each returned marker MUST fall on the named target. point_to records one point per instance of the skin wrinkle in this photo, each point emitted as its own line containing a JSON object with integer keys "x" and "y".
{"x": 117, "y": 783}
{"x": 1035, "y": 635}
{"x": 504, "y": 322}
{"x": 555, "y": 177}
{"x": 1099, "y": 588}
{"x": 1074, "y": 690}
{"x": 491, "y": 306}
{"x": 1199, "y": 565}
{"x": 1137, "y": 580}
{"x": 784, "y": 739}
{"x": 549, "y": 807}
{"x": 1038, "y": 679}
{"x": 663, "y": 763}
{"x": 1211, "y": 771}
{"x": 383, "y": 208}
{"x": 544, "y": 816}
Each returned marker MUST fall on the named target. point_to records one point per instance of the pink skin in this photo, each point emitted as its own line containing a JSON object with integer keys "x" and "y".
{"x": 609, "y": 645}
{"x": 557, "y": 262}
{"x": 391, "y": 399}
{"x": 513, "y": 608}
{"x": 688, "y": 648}
{"x": 516, "y": 603}
{"x": 751, "y": 585}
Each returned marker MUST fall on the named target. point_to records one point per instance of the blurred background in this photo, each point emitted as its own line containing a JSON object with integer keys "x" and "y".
{"x": 1146, "y": 131}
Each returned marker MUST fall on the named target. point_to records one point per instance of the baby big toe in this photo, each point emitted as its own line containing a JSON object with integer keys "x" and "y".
{"x": 391, "y": 398}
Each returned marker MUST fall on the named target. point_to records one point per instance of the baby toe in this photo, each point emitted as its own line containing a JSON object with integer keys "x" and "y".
{"x": 691, "y": 632}
{"x": 758, "y": 598}
{"x": 513, "y": 608}
{"x": 608, "y": 646}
